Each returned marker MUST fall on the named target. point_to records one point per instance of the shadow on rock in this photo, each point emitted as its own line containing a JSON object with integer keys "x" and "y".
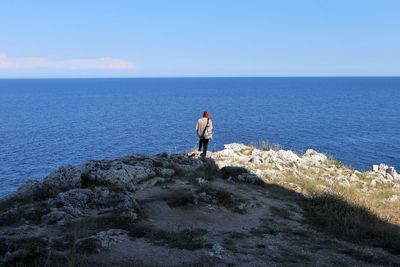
{"x": 92, "y": 207}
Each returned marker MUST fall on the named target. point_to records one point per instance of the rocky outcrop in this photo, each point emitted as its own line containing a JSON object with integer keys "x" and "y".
{"x": 82, "y": 202}
{"x": 386, "y": 171}
{"x": 269, "y": 164}
{"x": 182, "y": 209}
{"x": 102, "y": 240}
{"x": 64, "y": 178}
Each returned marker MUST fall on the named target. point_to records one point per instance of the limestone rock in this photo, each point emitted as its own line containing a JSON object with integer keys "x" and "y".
{"x": 57, "y": 217}
{"x": 206, "y": 198}
{"x": 375, "y": 168}
{"x": 29, "y": 189}
{"x": 74, "y": 198}
{"x": 64, "y": 178}
{"x": 83, "y": 209}
{"x": 257, "y": 160}
{"x": 247, "y": 178}
{"x": 392, "y": 198}
{"x": 116, "y": 174}
{"x": 392, "y": 172}
{"x": 164, "y": 172}
{"x": 111, "y": 237}
{"x": 312, "y": 157}
{"x": 200, "y": 181}
{"x": 386, "y": 171}
{"x": 289, "y": 156}
{"x": 79, "y": 202}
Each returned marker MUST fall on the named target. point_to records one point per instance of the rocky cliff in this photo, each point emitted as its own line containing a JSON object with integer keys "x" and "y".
{"x": 241, "y": 206}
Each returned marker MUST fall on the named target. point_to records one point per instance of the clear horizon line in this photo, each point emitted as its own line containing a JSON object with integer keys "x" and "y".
{"x": 200, "y": 76}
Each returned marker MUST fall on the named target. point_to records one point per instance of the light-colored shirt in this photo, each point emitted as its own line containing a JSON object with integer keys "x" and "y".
{"x": 201, "y": 124}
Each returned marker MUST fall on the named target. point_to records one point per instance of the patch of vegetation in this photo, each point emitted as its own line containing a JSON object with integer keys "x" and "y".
{"x": 230, "y": 244}
{"x": 23, "y": 212}
{"x": 92, "y": 225}
{"x": 36, "y": 248}
{"x": 39, "y": 194}
{"x": 165, "y": 181}
{"x": 367, "y": 256}
{"x": 337, "y": 163}
{"x": 267, "y": 227}
{"x": 224, "y": 198}
{"x": 246, "y": 151}
{"x": 280, "y": 212}
{"x": 130, "y": 263}
{"x": 232, "y": 171}
{"x": 374, "y": 199}
{"x": 237, "y": 235}
{"x": 88, "y": 182}
{"x": 187, "y": 239}
{"x": 179, "y": 171}
{"x": 208, "y": 171}
{"x": 291, "y": 256}
{"x": 332, "y": 213}
{"x": 264, "y": 145}
{"x": 163, "y": 155}
{"x": 180, "y": 200}
{"x": 158, "y": 163}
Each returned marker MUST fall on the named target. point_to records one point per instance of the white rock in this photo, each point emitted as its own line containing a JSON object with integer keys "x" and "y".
{"x": 375, "y": 168}
{"x": 383, "y": 167}
{"x": 354, "y": 177}
{"x": 392, "y": 198}
{"x": 237, "y": 147}
{"x": 288, "y": 155}
{"x": 344, "y": 182}
{"x": 256, "y": 160}
{"x": 312, "y": 157}
{"x": 392, "y": 171}
{"x": 201, "y": 181}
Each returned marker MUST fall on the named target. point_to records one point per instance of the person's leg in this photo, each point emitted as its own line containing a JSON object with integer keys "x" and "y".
{"x": 205, "y": 146}
{"x": 200, "y": 144}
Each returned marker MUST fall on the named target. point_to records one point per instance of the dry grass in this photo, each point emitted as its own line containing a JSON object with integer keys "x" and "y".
{"x": 334, "y": 214}
{"x": 374, "y": 200}
{"x": 224, "y": 198}
{"x": 350, "y": 213}
{"x": 265, "y": 145}
{"x": 189, "y": 239}
{"x": 208, "y": 171}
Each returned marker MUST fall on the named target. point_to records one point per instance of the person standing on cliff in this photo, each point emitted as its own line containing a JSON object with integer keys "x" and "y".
{"x": 204, "y": 132}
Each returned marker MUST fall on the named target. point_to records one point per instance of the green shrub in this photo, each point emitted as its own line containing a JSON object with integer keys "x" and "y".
{"x": 232, "y": 171}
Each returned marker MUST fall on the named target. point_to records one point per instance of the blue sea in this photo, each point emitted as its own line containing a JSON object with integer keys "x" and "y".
{"x": 46, "y": 123}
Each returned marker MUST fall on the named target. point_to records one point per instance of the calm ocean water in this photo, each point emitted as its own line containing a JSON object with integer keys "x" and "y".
{"x": 48, "y": 123}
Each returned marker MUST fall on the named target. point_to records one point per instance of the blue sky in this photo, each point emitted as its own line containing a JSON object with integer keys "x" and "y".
{"x": 199, "y": 38}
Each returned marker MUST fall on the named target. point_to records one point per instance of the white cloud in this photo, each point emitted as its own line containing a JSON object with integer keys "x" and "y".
{"x": 70, "y": 64}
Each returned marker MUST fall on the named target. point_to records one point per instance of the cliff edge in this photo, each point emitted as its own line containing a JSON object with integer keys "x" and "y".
{"x": 241, "y": 206}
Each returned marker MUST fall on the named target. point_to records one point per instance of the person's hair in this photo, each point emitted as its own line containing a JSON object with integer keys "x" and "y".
{"x": 207, "y": 115}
